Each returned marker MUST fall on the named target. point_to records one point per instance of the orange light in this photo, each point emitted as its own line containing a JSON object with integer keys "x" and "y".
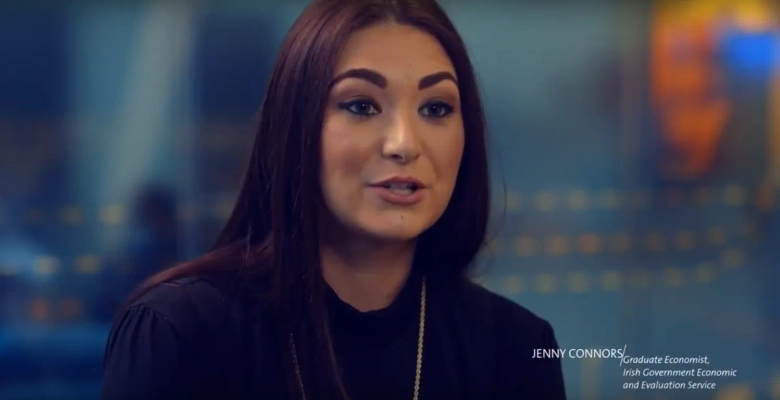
{"x": 688, "y": 90}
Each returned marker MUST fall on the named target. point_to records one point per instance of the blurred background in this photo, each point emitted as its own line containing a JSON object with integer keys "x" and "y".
{"x": 636, "y": 155}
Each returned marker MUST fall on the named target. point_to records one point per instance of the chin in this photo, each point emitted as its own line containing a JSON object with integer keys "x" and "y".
{"x": 379, "y": 226}
{"x": 393, "y": 235}
{"x": 393, "y": 232}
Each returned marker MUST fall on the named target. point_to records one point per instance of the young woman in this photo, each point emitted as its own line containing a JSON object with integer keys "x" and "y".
{"x": 342, "y": 272}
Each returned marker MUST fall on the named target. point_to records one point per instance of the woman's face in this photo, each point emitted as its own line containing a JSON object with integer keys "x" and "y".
{"x": 392, "y": 136}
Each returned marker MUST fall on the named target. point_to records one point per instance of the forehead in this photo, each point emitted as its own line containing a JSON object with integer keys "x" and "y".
{"x": 394, "y": 50}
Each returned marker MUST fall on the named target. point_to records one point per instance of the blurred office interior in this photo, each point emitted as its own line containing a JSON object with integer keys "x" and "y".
{"x": 636, "y": 151}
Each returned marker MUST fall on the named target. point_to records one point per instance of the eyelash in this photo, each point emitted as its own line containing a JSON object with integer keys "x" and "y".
{"x": 349, "y": 106}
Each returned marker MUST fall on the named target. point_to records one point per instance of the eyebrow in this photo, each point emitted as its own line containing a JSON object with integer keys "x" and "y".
{"x": 379, "y": 80}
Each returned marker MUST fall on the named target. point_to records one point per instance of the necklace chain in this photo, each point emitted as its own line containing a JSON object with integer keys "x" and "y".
{"x": 418, "y": 369}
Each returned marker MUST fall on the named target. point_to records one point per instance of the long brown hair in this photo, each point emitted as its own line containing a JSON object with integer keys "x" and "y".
{"x": 272, "y": 231}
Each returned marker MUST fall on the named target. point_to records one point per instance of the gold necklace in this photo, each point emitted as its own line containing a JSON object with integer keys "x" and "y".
{"x": 418, "y": 369}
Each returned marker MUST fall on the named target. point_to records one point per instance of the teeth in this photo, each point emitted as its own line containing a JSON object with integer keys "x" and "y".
{"x": 404, "y": 192}
{"x": 400, "y": 188}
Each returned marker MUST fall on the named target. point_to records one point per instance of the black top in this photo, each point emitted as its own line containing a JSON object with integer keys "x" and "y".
{"x": 190, "y": 339}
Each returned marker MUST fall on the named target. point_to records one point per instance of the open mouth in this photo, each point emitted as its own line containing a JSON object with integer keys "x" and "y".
{"x": 403, "y": 189}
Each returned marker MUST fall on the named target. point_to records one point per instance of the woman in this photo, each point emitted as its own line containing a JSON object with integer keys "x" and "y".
{"x": 342, "y": 272}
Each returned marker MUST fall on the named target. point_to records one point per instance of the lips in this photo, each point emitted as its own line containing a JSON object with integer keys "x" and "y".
{"x": 400, "y": 182}
{"x": 403, "y": 189}
{"x": 399, "y": 190}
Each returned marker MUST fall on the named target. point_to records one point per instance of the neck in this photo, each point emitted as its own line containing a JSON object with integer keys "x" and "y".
{"x": 367, "y": 277}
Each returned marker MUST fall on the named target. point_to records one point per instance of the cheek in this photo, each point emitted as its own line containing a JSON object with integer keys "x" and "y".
{"x": 447, "y": 156}
{"x": 343, "y": 160}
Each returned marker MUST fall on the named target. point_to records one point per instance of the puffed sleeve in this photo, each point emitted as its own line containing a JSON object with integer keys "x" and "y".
{"x": 147, "y": 357}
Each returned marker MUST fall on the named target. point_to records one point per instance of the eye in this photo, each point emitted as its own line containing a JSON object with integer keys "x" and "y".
{"x": 361, "y": 107}
{"x": 436, "y": 109}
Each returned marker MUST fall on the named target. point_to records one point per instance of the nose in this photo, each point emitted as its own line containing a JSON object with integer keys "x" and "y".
{"x": 402, "y": 144}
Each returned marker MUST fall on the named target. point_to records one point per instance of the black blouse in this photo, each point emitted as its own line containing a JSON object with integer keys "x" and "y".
{"x": 191, "y": 339}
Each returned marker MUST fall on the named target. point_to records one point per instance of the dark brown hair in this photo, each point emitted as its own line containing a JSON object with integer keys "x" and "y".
{"x": 272, "y": 231}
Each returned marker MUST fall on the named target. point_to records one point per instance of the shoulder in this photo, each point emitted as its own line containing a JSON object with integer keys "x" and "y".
{"x": 516, "y": 333}
{"x": 182, "y": 300}
{"x": 176, "y": 310}
{"x": 510, "y": 318}
{"x": 155, "y": 344}
{"x": 200, "y": 307}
